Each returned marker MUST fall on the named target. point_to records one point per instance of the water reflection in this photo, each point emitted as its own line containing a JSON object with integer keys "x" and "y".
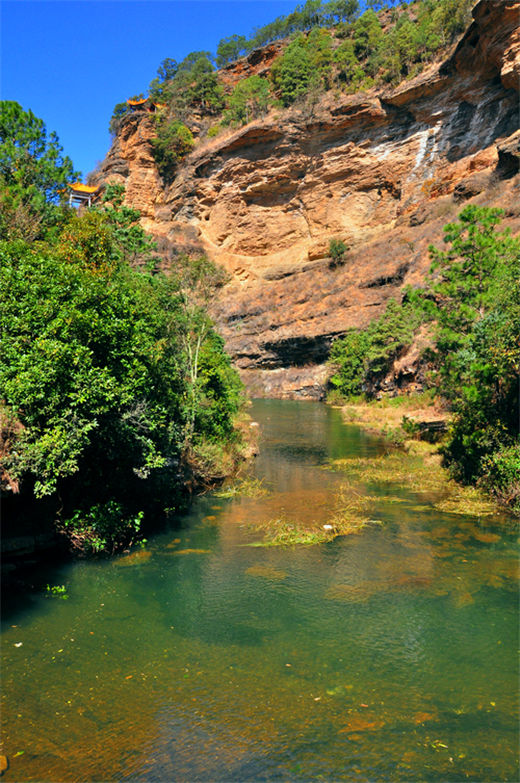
{"x": 384, "y": 656}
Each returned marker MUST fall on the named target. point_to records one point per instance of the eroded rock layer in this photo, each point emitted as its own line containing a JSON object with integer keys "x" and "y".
{"x": 382, "y": 170}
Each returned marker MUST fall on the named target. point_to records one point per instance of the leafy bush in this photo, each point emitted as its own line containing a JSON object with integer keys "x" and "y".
{"x": 364, "y": 356}
{"x": 501, "y": 475}
{"x": 173, "y": 142}
{"x": 337, "y": 250}
{"x": 104, "y": 527}
{"x": 249, "y": 99}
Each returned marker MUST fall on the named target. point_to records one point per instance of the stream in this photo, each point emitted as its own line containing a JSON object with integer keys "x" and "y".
{"x": 386, "y": 655}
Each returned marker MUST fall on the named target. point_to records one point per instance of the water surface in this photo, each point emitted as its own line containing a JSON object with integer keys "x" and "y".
{"x": 390, "y": 655}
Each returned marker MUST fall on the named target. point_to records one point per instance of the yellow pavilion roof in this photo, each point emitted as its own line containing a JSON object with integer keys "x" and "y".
{"x": 79, "y": 187}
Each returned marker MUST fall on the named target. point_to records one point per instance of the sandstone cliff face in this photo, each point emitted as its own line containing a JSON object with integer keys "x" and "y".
{"x": 382, "y": 170}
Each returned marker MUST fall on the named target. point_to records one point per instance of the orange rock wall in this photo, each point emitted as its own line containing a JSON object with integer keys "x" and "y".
{"x": 382, "y": 170}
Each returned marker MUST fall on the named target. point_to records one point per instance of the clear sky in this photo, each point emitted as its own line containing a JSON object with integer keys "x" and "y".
{"x": 71, "y": 61}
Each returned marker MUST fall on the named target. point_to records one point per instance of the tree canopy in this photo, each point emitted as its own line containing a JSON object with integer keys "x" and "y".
{"x": 114, "y": 387}
{"x": 34, "y": 173}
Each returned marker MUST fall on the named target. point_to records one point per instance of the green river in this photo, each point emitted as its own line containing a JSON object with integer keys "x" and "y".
{"x": 388, "y": 655}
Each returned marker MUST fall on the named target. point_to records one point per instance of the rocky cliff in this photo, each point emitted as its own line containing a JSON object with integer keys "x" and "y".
{"x": 383, "y": 171}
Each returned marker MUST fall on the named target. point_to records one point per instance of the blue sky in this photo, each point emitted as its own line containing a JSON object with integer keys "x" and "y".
{"x": 71, "y": 61}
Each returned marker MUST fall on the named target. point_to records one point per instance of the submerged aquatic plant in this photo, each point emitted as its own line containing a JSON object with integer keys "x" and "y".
{"x": 246, "y": 487}
{"x": 281, "y": 531}
{"x": 421, "y": 473}
{"x": 57, "y": 591}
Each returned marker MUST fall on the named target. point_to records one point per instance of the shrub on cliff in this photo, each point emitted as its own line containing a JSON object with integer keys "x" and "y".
{"x": 120, "y": 110}
{"x": 250, "y": 99}
{"x": 173, "y": 142}
{"x": 337, "y": 250}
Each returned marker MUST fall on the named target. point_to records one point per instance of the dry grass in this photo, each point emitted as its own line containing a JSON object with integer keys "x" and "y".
{"x": 380, "y": 415}
{"x": 419, "y": 472}
{"x": 281, "y": 531}
{"x": 245, "y": 488}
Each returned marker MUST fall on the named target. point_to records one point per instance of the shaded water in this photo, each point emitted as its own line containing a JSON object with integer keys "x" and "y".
{"x": 390, "y": 655}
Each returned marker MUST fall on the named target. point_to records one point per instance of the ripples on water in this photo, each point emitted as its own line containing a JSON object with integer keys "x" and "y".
{"x": 386, "y": 656}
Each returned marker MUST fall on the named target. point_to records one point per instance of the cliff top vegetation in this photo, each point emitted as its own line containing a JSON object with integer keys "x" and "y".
{"x": 323, "y": 46}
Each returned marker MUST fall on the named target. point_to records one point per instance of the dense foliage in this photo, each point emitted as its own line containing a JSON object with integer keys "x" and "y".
{"x": 171, "y": 144}
{"x": 476, "y": 284}
{"x": 112, "y": 380}
{"x": 33, "y": 174}
{"x": 192, "y": 82}
{"x": 250, "y": 99}
{"x": 364, "y": 356}
{"x": 472, "y": 298}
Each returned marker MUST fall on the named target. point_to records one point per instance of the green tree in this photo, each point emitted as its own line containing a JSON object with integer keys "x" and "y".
{"x": 348, "y": 358}
{"x": 173, "y": 142}
{"x": 341, "y": 11}
{"x": 348, "y": 68}
{"x": 131, "y": 243}
{"x": 34, "y": 174}
{"x": 160, "y": 87}
{"x": 450, "y": 18}
{"x": 191, "y": 82}
{"x": 368, "y": 35}
{"x": 196, "y": 77}
{"x": 476, "y": 284}
{"x": 291, "y": 72}
{"x": 249, "y": 99}
{"x": 319, "y": 45}
{"x": 194, "y": 281}
{"x": 230, "y": 49}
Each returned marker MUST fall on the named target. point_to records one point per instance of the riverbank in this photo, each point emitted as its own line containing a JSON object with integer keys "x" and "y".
{"x": 369, "y": 484}
{"x": 416, "y": 425}
{"x": 34, "y": 532}
{"x": 401, "y": 420}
